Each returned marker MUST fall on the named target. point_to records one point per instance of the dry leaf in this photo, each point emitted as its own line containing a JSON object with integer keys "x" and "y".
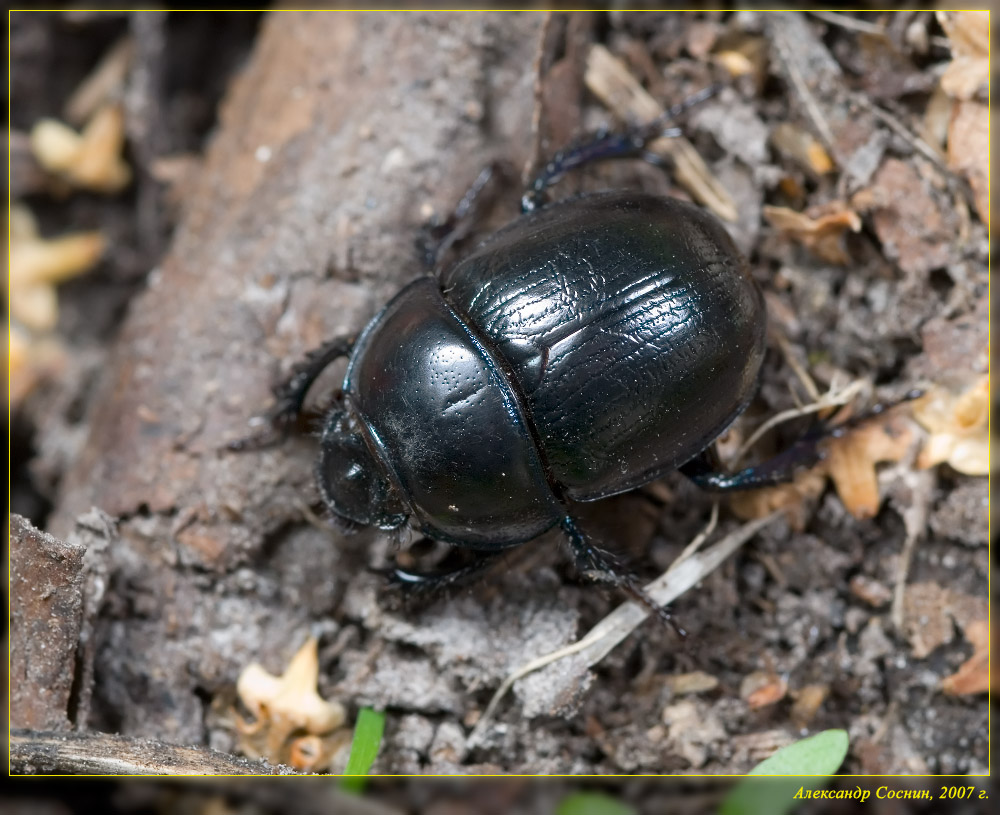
{"x": 958, "y": 426}
{"x": 807, "y": 703}
{"x": 743, "y": 55}
{"x": 734, "y": 62}
{"x": 287, "y": 709}
{"x": 974, "y": 674}
{"x": 793, "y": 498}
{"x": 969, "y": 150}
{"x": 907, "y": 218}
{"x": 931, "y": 615}
{"x": 873, "y": 592}
{"x": 694, "y": 682}
{"x": 31, "y": 361}
{"x": 937, "y": 116}
{"x": 851, "y": 460}
{"x": 802, "y": 147}
{"x": 823, "y": 234}
{"x": 91, "y": 159}
{"x": 37, "y": 264}
{"x": 969, "y": 33}
{"x": 761, "y": 688}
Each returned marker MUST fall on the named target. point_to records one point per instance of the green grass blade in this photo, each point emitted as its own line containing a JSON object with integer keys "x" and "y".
{"x": 367, "y": 739}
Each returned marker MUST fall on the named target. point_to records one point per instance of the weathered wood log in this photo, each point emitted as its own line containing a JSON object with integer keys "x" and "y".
{"x": 46, "y": 613}
{"x": 47, "y": 753}
{"x": 345, "y": 131}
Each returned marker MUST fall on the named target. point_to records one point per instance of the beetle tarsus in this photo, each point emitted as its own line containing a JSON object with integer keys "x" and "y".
{"x": 824, "y": 431}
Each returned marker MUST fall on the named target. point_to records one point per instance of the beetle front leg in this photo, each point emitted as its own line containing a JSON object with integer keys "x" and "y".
{"x": 596, "y": 565}
{"x": 290, "y": 394}
{"x": 420, "y": 583}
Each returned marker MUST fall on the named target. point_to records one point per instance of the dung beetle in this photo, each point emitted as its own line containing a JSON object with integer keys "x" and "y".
{"x": 585, "y": 349}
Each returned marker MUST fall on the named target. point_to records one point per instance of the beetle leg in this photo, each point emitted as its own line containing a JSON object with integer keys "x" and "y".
{"x": 437, "y": 237}
{"x": 704, "y": 470}
{"x": 596, "y": 565}
{"x": 290, "y": 394}
{"x": 428, "y": 582}
{"x": 604, "y": 145}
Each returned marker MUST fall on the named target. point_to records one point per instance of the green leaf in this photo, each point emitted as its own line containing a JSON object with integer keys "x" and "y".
{"x": 592, "y": 803}
{"x": 820, "y": 755}
{"x": 364, "y": 748}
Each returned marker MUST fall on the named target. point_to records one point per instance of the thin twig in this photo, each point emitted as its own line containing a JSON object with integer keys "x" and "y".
{"x": 918, "y": 144}
{"x": 797, "y": 368}
{"x": 921, "y": 484}
{"x": 865, "y": 27}
{"x": 611, "y": 82}
{"x": 832, "y": 398}
{"x": 812, "y": 107}
{"x": 852, "y": 23}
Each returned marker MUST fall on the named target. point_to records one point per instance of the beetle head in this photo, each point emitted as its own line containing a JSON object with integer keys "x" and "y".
{"x": 353, "y": 483}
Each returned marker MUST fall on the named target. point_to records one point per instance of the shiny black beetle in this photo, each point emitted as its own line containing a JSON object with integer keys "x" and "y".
{"x": 584, "y": 350}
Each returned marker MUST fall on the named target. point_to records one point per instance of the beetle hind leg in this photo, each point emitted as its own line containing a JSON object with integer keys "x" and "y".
{"x": 605, "y": 145}
{"x": 596, "y": 565}
{"x": 704, "y": 469}
{"x": 290, "y": 395}
{"x": 805, "y": 452}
